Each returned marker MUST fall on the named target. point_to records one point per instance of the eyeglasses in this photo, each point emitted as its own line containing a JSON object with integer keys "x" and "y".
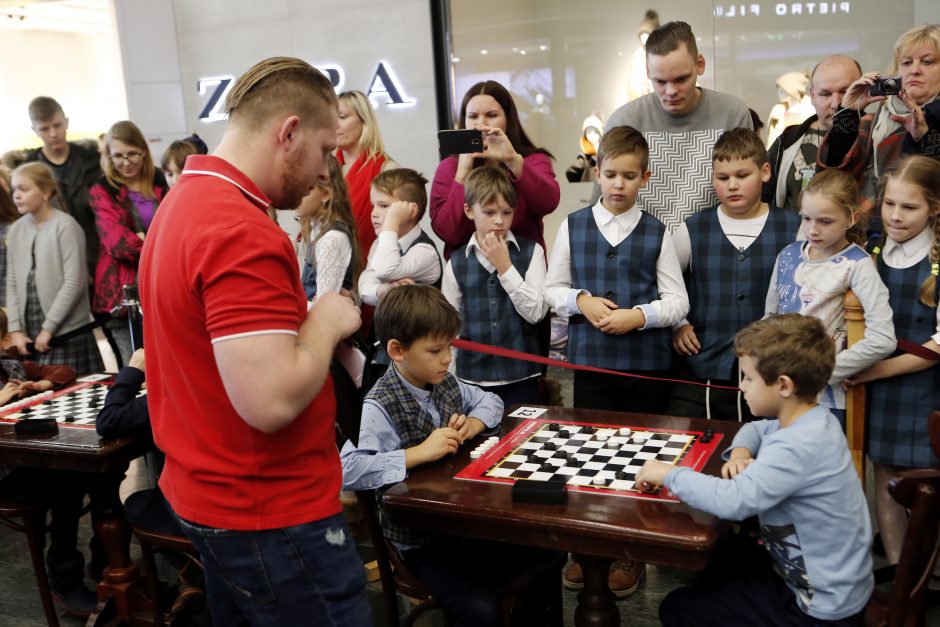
{"x": 131, "y": 157}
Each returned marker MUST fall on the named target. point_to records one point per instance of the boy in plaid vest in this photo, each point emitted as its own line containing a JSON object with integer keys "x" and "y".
{"x": 418, "y": 413}
{"x": 727, "y": 253}
{"x": 614, "y": 274}
{"x": 402, "y": 253}
{"x": 499, "y": 306}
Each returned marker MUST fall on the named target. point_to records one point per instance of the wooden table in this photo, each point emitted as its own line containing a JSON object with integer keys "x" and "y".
{"x": 595, "y": 528}
{"x": 82, "y": 449}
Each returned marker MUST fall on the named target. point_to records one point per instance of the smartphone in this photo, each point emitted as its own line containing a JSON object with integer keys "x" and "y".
{"x": 888, "y": 86}
{"x": 460, "y": 141}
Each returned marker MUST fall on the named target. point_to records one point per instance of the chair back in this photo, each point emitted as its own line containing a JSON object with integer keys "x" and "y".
{"x": 919, "y": 491}
{"x": 933, "y": 428}
{"x": 394, "y": 575}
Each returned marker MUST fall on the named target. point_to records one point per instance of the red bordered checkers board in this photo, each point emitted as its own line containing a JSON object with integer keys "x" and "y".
{"x": 587, "y": 457}
{"x": 75, "y": 406}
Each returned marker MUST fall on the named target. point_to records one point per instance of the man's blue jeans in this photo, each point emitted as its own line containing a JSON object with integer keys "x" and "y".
{"x": 308, "y": 574}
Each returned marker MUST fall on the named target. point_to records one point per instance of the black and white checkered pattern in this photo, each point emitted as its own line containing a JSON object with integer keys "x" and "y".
{"x": 583, "y": 453}
{"x": 79, "y": 407}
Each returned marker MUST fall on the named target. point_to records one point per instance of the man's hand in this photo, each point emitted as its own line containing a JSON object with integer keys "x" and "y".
{"x": 621, "y": 321}
{"x": 595, "y": 308}
{"x": 684, "y": 340}
{"x": 652, "y": 475}
{"x": 334, "y": 315}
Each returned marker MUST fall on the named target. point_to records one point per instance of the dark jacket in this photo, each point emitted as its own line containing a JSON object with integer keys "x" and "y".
{"x": 75, "y": 178}
{"x": 779, "y": 165}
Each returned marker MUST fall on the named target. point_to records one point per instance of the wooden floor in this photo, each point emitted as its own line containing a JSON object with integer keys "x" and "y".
{"x": 20, "y": 607}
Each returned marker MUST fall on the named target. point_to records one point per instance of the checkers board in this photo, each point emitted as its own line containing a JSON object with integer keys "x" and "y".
{"x": 588, "y": 457}
{"x": 73, "y": 406}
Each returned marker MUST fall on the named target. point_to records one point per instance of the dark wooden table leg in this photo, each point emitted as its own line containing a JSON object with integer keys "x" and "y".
{"x": 119, "y": 593}
{"x": 596, "y": 603}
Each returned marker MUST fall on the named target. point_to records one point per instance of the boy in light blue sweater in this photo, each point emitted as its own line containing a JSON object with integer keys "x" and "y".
{"x": 796, "y": 474}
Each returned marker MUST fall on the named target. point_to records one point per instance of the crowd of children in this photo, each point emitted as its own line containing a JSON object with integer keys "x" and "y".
{"x": 742, "y": 303}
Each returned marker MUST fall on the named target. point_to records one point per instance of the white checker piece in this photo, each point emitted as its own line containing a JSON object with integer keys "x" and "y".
{"x": 588, "y": 456}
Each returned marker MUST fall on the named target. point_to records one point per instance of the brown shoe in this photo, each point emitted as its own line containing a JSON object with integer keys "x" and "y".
{"x": 624, "y": 578}
{"x": 573, "y": 578}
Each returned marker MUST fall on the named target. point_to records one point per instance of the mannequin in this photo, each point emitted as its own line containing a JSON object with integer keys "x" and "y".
{"x": 582, "y": 170}
{"x": 637, "y": 82}
{"x": 793, "y": 107}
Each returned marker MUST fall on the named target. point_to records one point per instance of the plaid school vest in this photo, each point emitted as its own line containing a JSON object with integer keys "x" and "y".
{"x": 424, "y": 238}
{"x": 727, "y": 287}
{"x": 490, "y": 318}
{"x": 899, "y": 406}
{"x": 626, "y": 275}
{"x": 413, "y": 425}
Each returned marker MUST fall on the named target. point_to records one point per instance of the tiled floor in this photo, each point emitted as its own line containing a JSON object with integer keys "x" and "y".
{"x": 20, "y": 607}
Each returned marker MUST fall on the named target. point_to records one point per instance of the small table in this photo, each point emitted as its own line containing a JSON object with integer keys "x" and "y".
{"x": 596, "y": 528}
{"x": 82, "y": 449}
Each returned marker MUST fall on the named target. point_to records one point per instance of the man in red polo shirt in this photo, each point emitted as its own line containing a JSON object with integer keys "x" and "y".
{"x": 238, "y": 369}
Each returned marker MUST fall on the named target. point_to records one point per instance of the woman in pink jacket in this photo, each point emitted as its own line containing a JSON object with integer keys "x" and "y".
{"x": 487, "y": 106}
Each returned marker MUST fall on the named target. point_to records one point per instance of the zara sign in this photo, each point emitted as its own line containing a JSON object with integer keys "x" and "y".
{"x": 384, "y": 86}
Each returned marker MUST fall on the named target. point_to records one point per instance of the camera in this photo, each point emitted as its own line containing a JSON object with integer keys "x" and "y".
{"x": 888, "y": 86}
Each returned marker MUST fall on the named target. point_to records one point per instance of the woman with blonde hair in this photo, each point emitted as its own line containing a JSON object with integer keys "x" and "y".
{"x": 124, "y": 201}
{"x": 907, "y": 123}
{"x": 362, "y": 156}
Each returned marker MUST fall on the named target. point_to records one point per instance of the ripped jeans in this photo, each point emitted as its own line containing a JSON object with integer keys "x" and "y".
{"x": 309, "y": 574}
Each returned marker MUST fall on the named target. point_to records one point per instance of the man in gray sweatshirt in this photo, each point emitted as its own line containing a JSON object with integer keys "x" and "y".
{"x": 795, "y": 473}
{"x": 681, "y": 122}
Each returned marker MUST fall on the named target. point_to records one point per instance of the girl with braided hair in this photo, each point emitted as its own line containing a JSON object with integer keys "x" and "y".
{"x": 905, "y": 387}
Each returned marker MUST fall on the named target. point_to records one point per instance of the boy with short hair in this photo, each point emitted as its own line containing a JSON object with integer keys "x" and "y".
{"x": 727, "y": 253}
{"x": 418, "y": 413}
{"x": 795, "y": 473}
{"x": 613, "y": 272}
{"x": 403, "y": 253}
{"x": 498, "y": 306}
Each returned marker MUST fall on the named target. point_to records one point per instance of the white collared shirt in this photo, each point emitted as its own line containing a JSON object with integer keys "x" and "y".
{"x": 524, "y": 293}
{"x": 388, "y": 262}
{"x": 561, "y": 295}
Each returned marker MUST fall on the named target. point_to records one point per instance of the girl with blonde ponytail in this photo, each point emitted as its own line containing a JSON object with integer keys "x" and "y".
{"x": 905, "y": 387}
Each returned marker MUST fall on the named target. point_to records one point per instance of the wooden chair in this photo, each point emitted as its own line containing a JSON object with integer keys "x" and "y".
{"x": 32, "y": 522}
{"x": 396, "y": 578}
{"x": 933, "y": 428}
{"x": 903, "y": 605}
{"x": 152, "y": 542}
{"x": 855, "y": 397}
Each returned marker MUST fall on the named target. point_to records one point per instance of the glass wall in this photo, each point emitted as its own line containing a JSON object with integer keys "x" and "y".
{"x": 564, "y": 61}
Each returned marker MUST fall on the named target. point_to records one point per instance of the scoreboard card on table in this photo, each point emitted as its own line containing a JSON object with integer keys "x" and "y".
{"x": 587, "y": 457}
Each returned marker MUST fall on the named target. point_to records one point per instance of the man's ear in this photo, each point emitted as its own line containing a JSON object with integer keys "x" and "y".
{"x": 288, "y": 132}
{"x": 395, "y": 350}
{"x": 700, "y": 65}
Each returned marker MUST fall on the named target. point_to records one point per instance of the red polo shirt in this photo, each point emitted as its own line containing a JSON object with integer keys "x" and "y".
{"x": 214, "y": 266}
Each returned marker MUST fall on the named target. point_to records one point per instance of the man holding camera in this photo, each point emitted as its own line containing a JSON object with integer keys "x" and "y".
{"x": 792, "y": 156}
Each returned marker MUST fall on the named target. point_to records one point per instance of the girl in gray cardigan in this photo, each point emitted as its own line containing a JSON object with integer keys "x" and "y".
{"x": 47, "y": 278}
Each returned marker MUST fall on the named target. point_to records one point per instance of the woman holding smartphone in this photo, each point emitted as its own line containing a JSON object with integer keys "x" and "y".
{"x": 906, "y": 123}
{"x": 488, "y": 107}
